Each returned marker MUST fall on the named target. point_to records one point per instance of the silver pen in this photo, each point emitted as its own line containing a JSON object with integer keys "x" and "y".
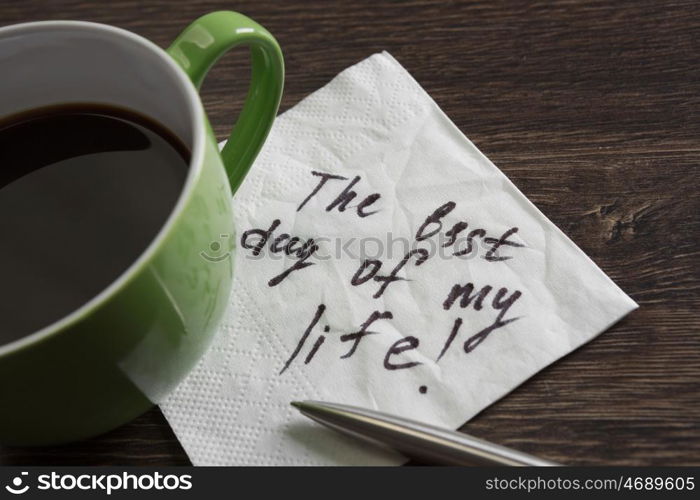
{"x": 415, "y": 439}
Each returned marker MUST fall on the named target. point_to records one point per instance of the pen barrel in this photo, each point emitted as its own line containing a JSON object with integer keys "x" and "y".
{"x": 417, "y": 440}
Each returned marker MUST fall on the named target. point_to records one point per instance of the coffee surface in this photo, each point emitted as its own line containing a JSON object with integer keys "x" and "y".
{"x": 84, "y": 189}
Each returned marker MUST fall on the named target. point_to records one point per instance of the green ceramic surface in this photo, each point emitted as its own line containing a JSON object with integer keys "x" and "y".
{"x": 111, "y": 360}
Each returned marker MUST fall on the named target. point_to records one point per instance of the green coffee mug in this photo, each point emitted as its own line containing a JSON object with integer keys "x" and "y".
{"x": 129, "y": 346}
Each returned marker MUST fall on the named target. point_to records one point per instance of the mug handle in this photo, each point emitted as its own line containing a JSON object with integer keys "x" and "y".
{"x": 196, "y": 50}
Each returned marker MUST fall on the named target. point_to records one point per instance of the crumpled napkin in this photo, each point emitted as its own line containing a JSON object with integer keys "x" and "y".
{"x": 382, "y": 261}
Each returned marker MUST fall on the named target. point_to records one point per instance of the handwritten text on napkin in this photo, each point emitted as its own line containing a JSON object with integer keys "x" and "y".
{"x": 460, "y": 240}
{"x": 384, "y": 262}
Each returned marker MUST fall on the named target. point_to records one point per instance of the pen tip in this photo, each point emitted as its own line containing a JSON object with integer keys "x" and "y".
{"x": 296, "y": 404}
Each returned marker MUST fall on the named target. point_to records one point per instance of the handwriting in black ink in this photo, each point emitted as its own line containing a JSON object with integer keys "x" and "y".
{"x": 433, "y": 224}
{"x": 369, "y": 269}
{"x": 324, "y": 177}
{"x": 466, "y": 297}
{"x": 256, "y": 240}
{"x": 357, "y": 336}
{"x": 402, "y": 345}
{"x": 319, "y": 312}
{"x": 342, "y": 200}
{"x": 497, "y": 243}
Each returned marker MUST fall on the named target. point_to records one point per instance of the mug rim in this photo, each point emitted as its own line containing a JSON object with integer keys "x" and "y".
{"x": 195, "y": 166}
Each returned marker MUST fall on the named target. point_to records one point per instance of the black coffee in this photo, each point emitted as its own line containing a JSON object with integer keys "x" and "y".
{"x": 84, "y": 189}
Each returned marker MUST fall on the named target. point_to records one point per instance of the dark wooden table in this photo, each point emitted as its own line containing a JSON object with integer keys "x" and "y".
{"x": 591, "y": 108}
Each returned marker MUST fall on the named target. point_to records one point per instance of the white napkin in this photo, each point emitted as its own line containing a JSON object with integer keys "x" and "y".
{"x": 451, "y": 334}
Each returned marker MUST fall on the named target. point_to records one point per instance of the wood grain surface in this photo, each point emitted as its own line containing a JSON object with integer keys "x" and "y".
{"x": 591, "y": 108}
